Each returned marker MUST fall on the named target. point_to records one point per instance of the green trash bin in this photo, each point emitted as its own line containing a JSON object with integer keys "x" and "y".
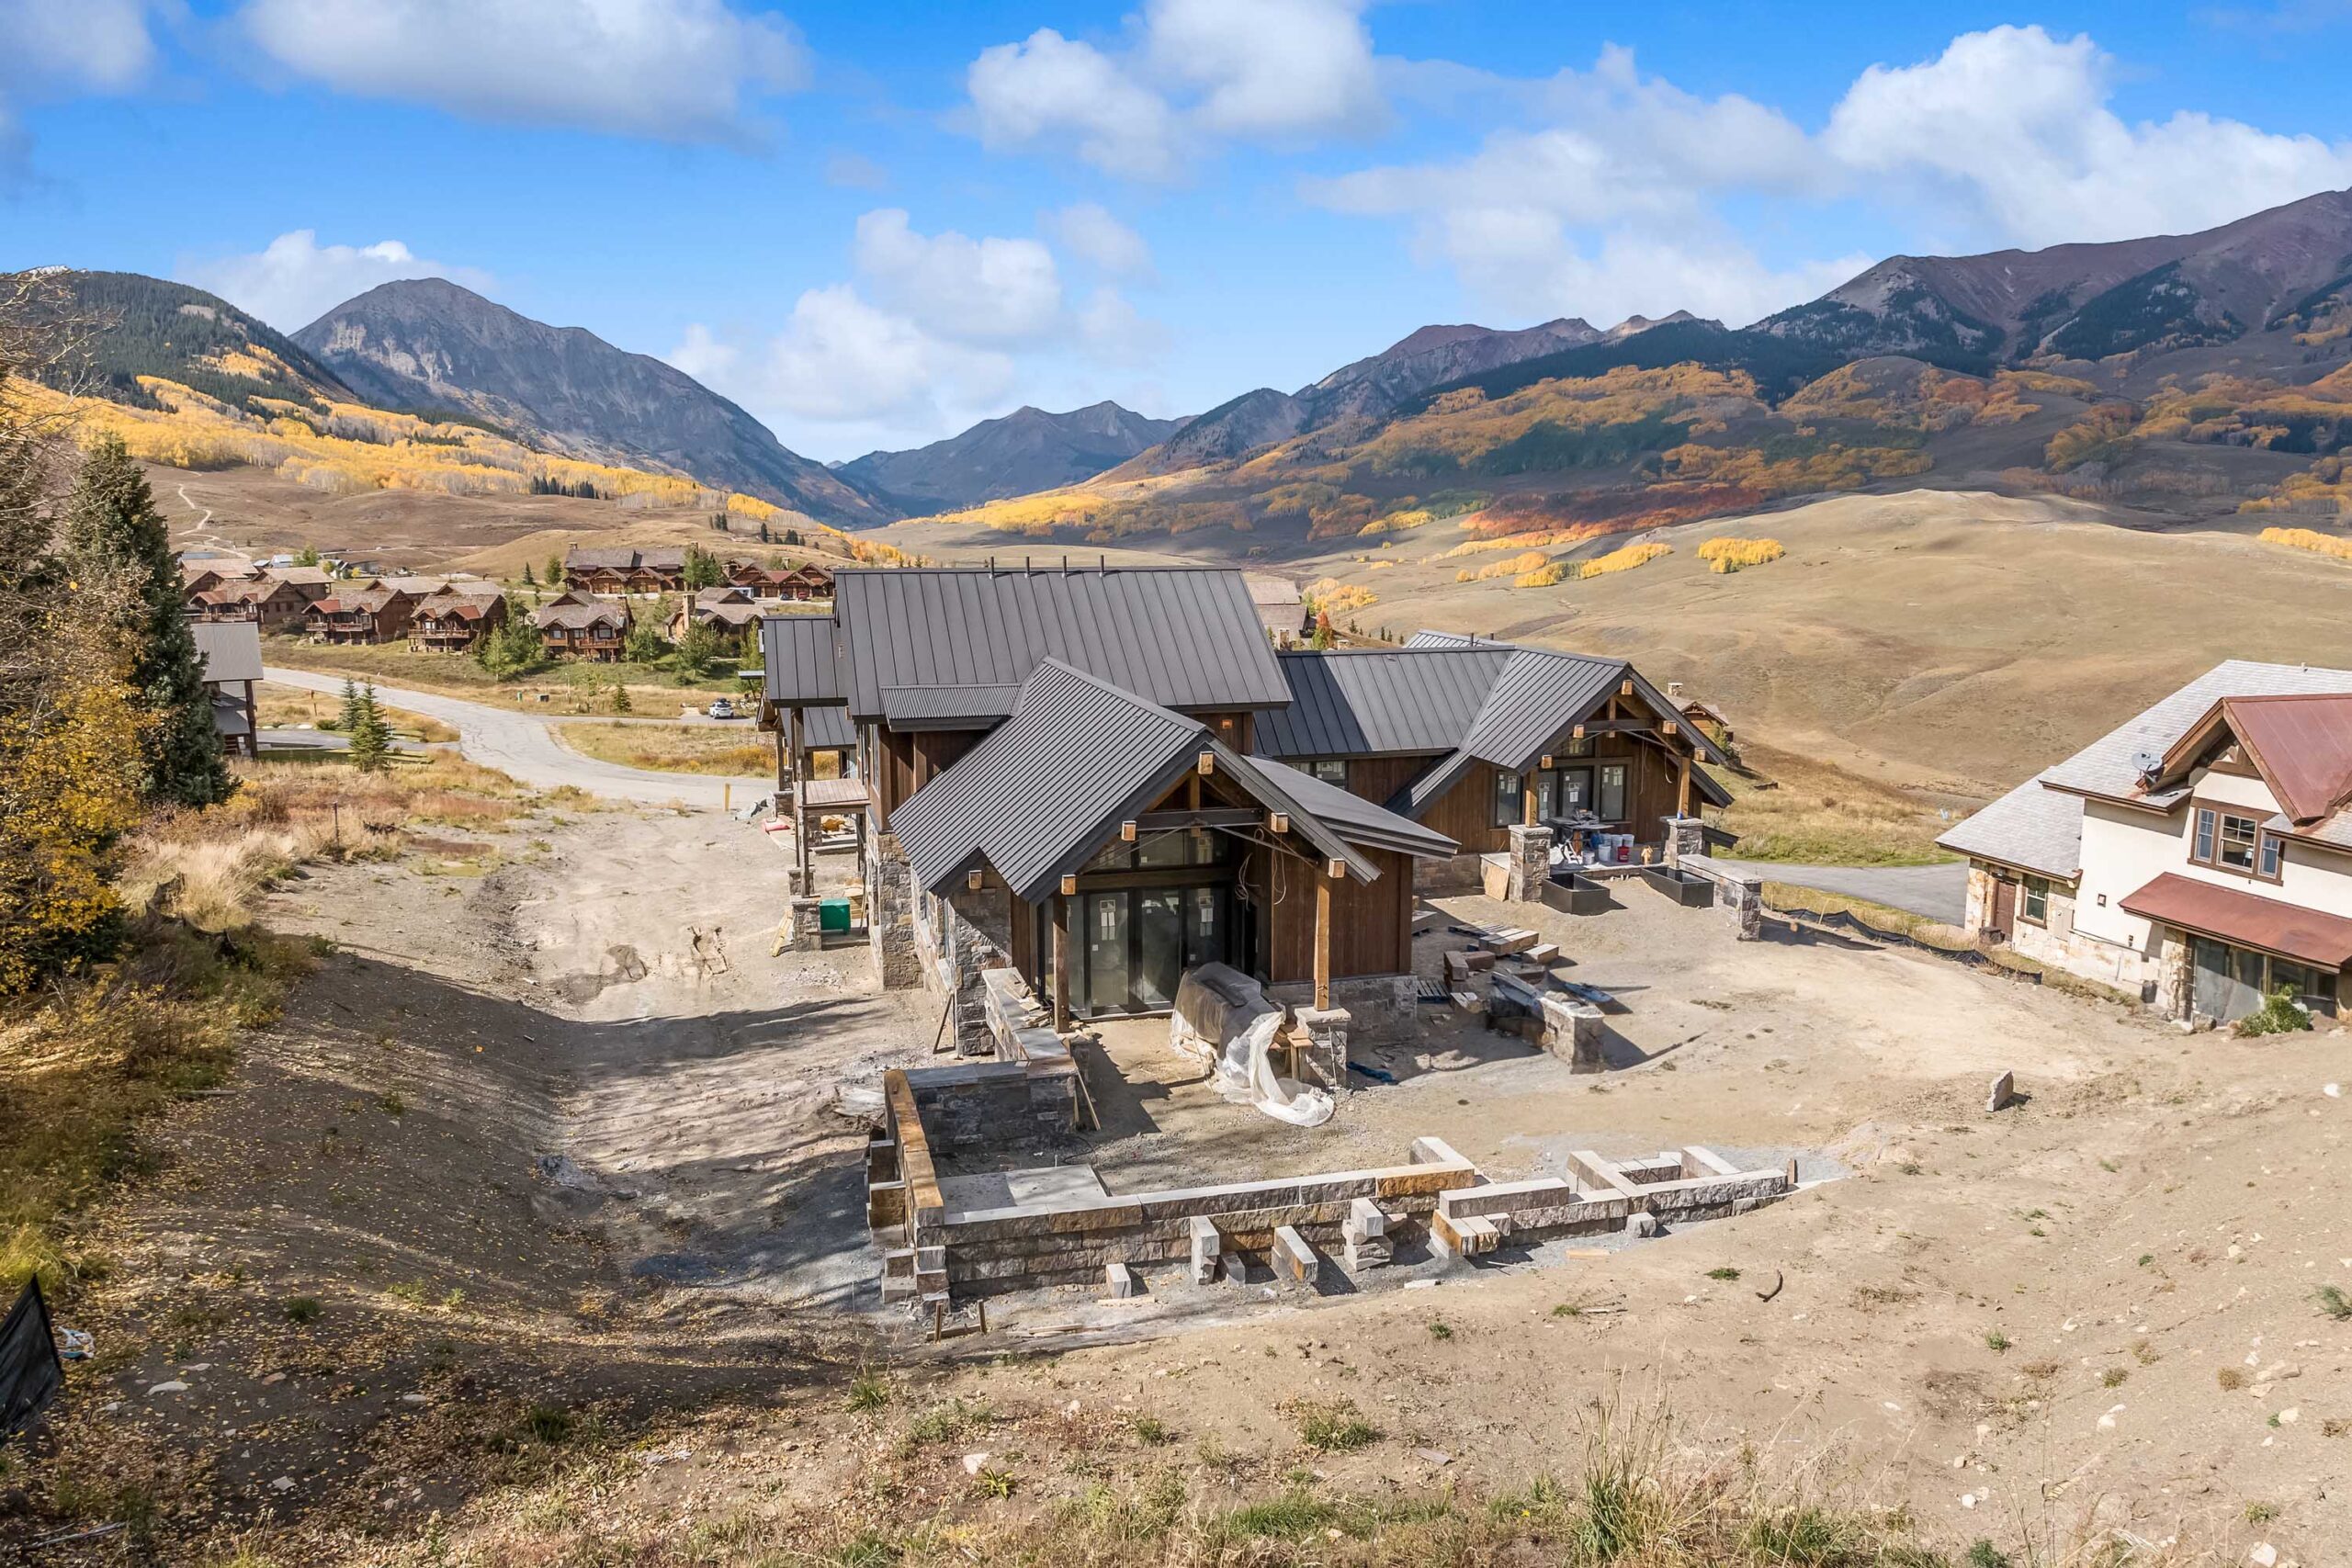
{"x": 832, "y": 914}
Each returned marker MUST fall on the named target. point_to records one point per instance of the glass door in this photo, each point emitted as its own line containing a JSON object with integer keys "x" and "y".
{"x": 2226, "y": 981}
{"x": 1106, "y": 953}
{"x": 1160, "y": 948}
{"x": 1206, "y": 923}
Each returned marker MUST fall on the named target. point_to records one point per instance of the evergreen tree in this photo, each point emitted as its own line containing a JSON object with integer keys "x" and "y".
{"x": 645, "y": 644}
{"x": 555, "y": 572}
{"x": 620, "y": 695}
{"x": 511, "y": 648}
{"x": 349, "y": 720}
{"x": 764, "y": 533}
{"x": 697, "y": 648}
{"x": 371, "y": 738}
{"x": 529, "y": 581}
{"x": 112, "y": 527}
{"x": 310, "y": 556}
{"x": 702, "y": 569}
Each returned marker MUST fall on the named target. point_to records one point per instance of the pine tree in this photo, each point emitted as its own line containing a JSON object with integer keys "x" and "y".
{"x": 529, "y": 581}
{"x": 349, "y": 720}
{"x": 310, "y": 556}
{"x": 620, "y": 695}
{"x": 112, "y": 527}
{"x": 555, "y": 572}
{"x": 371, "y": 738}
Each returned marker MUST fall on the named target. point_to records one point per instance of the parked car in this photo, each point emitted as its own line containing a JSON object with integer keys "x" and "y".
{"x": 720, "y": 707}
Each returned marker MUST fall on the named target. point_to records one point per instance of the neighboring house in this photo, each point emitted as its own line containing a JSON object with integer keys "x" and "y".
{"x": 264, "y": 601}
{"x": 574, "y": 626}
{"x": 1061, "y": 782}
{"x": 2200, "y": 855}
{"x": 616, "y": 572}
{"x": 203, "y": 574}
{"x": 1484, "y": 740}
{"x": 1281, "y": 608}
{"x": 229, "y": 652}
{"x": 310, "y": 583}
{"x": 729, "y": 610}
{"x": 453, "y": 620}
{"x": 360, "y": 614}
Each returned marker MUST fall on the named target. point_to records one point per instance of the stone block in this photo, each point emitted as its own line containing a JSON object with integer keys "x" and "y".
{"x": 1644, "y": 1224}
{"x": 1122, "y": 1280}
{"x": 804, "y": 929}
{"x": 2005, "y": 1089}
{"x": 886, "y": 1206}
{"x": 1204, "y": 1246}
{"x": 1235, "y": 1268}
{"x": 1294, "y": 1257}
{"x": 1366, "y": 1221}
{"x": 1528, "y": 863}
{"x": 1367, "y": 1252}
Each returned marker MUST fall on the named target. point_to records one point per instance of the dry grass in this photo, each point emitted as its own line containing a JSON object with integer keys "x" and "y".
{"x": 733, "y": 751}
{"x": 210, "y": 867}
{"x": 1816, "y": 814}
{"x": 290, "y": 707}
{"x": 456, "y": 675}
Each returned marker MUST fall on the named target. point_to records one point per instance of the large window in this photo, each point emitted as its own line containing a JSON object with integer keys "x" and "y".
{"x": 1330, "y": 770}
{"x": 1608, "y": 802}
{"x": 1510, "y": 799}
{"x": 2229, "y": 841}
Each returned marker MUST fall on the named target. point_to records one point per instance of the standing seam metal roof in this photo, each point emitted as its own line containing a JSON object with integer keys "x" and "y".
{"x": 227, "y": 650}
{"x": 1047, "y": 788}
{"x": 801, "y": 659}
{"x": 1371, "y": 704}
{"x": 1181, "y": 636}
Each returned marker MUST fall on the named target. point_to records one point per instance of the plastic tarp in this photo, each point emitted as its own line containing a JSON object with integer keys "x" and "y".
{"x": 29, "y": 1375}
{"x": 1224, "y": 1018}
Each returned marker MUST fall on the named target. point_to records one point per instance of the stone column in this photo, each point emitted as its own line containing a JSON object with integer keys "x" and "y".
{"x": 805, "y": 931}
{"x": 1327, "y": 1034}
{"x": 890, "y": 913}
{"x": 1683, "y": 838}
{"x": 1530, "y": 863}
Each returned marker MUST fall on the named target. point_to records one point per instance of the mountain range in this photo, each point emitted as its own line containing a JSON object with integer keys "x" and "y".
{"x": 1026, "y": 450}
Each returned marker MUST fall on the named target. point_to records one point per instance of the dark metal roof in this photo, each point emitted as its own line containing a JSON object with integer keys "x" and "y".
{"x": 228, "y": 650}
{"x": 1354, "y": 818}
{"x": 827, "y": 730}
{"x": 801, "y": 658}
{"x": 1182, "y": 637}
{"x": 1049, "y": 786}
{"x": 1371, "y": 704}
{"x": 946, "y": 707}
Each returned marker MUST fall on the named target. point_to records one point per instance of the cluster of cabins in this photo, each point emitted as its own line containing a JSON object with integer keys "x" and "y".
{"x": 619, "y": 573}
{"x": 1104, "y": 777}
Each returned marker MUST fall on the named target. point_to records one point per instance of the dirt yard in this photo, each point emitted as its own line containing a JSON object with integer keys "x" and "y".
{"x": 532, "y": 1235}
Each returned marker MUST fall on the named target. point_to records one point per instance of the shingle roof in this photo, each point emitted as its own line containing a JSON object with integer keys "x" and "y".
{"x": 228, "y": 650}
{"x": 2022, "y": 829}
{"x": 801, "y": 657}
{"x": 1357, "y": 704}
{"x": 302, "y": 576}
{"x": 1048, "y": 786}
{"x": 578, "y": 617}
{"x": 1184, "y": 637}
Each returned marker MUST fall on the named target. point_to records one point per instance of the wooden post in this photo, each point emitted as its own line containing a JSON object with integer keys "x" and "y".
{"x": 1528, "y": 780}
{"x": 1322, "y": 942}
{"x": 1061, "y": 964}
{"x": 783, "y": 778}
{"x": 1682, "y": 787}
{"x": 800, "y": 806}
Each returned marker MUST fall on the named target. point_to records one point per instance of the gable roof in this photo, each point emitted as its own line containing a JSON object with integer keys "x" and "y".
{"x": 2301, "y": 743}
{"x": 1183, "y": 636}
{"x": 301, "y": 575}
{"x": 800, "y": 660}
{"x": 2024, "y": 830}
{"x": 1365, "y": 703}
{"x": 228, "y": 650}
{"x": 576, "y": 617}
{"x": 1047, "y": 788}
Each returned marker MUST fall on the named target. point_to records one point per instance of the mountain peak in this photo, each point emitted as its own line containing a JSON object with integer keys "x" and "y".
{"x": 1028, "y": 449}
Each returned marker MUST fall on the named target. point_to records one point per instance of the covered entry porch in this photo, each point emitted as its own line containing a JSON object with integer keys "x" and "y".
{"x": 2231, "y": 951}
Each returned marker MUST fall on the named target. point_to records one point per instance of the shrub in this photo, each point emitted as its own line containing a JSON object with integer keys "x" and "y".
{"x": 2279, "y": 1014}
{"x": 300, "y": 1309}
{"x": 1335, "y": 1428}
{"x": 2334, "y": 1303}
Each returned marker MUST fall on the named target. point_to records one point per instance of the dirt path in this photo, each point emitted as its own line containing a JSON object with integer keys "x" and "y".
{"x": 526, "y": 747}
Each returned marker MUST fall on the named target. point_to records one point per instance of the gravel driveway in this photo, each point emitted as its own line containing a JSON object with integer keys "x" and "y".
{"x": 1939, "y": 892}
{"x": 524, "y": 746}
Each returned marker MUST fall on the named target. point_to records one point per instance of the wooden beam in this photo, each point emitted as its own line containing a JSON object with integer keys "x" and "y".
{"x": 1615, "y": 725}
{"x": 1322, "y": 942}
{"x": 1206, "y": 817}
{"x": 1061, "y": 962}
{"x": 1682, "y": 786}
{"x": 1527, "y": 800}
{"x": 800, "y": 831}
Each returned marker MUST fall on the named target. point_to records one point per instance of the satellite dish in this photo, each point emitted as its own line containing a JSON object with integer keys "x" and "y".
{"x": 2147, "y": 764}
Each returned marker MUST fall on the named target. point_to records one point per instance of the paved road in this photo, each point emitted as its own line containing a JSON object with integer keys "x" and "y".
{"x": 524, "y": 746}
{"x": 1939, "y": 892}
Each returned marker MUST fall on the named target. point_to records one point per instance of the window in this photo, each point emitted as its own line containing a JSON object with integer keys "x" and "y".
{"x": 1510, "y": 799}
{"x": 1575, "y": 747}
{"x": 2239, "y": 835}
{"x": 2272, "y": 850}
{"x": 1330, "y": 770}
{"x": 2035, "y": 908}
{"x": 2228, "y": 842}
{"x": 2203, "y": 849}
{"x": 1611, "y": 802}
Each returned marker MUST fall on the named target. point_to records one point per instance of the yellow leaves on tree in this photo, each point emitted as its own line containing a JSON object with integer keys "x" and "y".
{"x": 2306, "y": 539}
{"x": 1517, "y": 566}
{"x": 1726, "y": 556}
{"x": 1332, "y": 597}
{"x": 1624, "y": 560}
{"x": 1542, "y": 576}
{"x": 2099, "y": 437}
{"x": 69, "y": 788}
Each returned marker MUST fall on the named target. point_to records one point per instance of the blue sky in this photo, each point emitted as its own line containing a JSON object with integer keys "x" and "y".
{"x": 874, "y": 224}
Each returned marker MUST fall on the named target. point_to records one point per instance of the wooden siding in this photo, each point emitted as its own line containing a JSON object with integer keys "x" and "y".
{"x": 1466, "y": 812}
{"x": 1372, "y": 923}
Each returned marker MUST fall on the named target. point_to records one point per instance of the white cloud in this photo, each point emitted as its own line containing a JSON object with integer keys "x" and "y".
{"x": 1268, "y": 68}
{"x": 2016, "y": 123}
{"x": 51, "y": 49}
{"x": 294, "y": 280}
{"x": 1197, "y": 71}
{"x": 988, "y": 290}
{"x": 1114, "y": 332}
{"x": 855, "y": 171}
{"x": 675, "y": 70}
{"x": 1050, "y": 87}
{"x": 1614, "y": 200}
{"x": 1089, "y": 232}
{"x": 841, "y": 361}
